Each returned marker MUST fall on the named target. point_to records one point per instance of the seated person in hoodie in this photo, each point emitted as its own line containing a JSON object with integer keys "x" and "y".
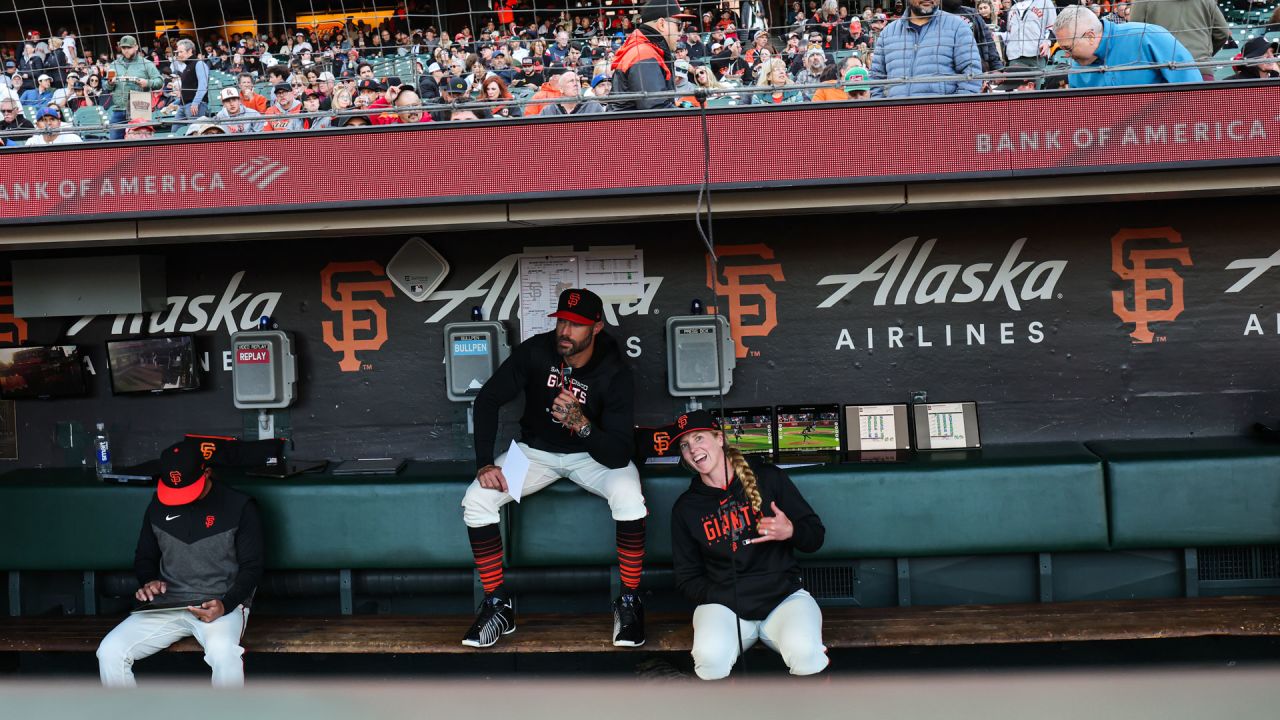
{"x": 734, "y": 534}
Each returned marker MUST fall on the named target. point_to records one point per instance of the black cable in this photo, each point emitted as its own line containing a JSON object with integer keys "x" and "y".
{"x": 708, "y": 239}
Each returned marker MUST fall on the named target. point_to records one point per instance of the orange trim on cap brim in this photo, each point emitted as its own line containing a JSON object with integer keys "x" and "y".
{"x": 573, "y": 317}
{"x": 180, "y": 496}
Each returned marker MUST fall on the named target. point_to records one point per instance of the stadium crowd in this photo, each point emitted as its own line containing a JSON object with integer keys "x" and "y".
{"x": 653, "y": 55}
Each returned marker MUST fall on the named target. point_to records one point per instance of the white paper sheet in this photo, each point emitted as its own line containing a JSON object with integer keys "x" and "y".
{"x": 515, "y": 466}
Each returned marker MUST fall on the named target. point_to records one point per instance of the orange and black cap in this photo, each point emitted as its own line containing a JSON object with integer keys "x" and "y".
{"x": 182, "y": 475}
{"x": 692, "y": 422}
{"x": 580, "y": 306}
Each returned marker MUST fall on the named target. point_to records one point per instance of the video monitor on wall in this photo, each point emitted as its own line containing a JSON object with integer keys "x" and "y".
{"x": 876, "y": 428}
{"x": 47, "y": 371}
{"x": 947, "y": 426}
{"x": 748, "y": 429}
{"x": 153, "y": 364}
{"x": 808, "y": 428}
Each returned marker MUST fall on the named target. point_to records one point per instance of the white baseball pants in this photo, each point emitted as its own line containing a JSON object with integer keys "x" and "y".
{"x": 621, "y": 487}
{"x": 145, "y": 634}
{"x": 793, "y": 629}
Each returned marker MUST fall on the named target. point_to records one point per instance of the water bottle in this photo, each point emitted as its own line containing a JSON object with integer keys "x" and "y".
{"x": 102, "y": 451}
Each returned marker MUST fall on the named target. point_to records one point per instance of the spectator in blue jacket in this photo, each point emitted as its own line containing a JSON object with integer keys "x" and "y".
{"x": 1093, "y": 42}
{"x": 926, "y": 42}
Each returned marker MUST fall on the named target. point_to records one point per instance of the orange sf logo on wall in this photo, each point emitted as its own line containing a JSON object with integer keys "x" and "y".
{"x": 763, "y": 313}
{"x": 13, "y": 330}
{"x": 360, "y": 315}
{"x": 1156, "y": 291}
{"x": 661, "y": 442}
{"x": 206, "y": 450}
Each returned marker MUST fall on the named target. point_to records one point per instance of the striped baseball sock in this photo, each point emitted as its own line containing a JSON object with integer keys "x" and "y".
{"x": 630, "y": 552}
{"x": 486, "y": 545}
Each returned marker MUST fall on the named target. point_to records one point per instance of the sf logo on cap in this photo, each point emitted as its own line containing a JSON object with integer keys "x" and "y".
{"x": 175, "y": 477}
{"x": 574, "y": 298}
{"x": 684, "y": 420}
{"x": 661, "y": 442}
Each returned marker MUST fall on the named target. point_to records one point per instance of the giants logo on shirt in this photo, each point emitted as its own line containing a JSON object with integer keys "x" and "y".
{"x": 732, "y": 524}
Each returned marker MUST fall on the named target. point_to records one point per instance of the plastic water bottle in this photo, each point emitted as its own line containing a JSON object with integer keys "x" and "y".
{"x": 102, "y": 451}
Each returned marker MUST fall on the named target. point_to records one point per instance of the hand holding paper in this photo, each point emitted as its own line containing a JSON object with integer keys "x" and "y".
{"x": 515, "y": 466}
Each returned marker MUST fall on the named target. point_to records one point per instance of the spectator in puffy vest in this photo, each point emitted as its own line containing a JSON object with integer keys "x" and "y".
{"x": 926, "y": 42}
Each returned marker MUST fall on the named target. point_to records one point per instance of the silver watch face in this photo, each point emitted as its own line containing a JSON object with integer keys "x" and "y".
{"x": 585, "y": 431}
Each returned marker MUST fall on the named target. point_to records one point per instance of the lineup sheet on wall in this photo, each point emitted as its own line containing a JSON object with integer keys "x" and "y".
{"x": 877, "y": 428}
{"x": 946, "y": 425}
{"x": 614, "y": 273}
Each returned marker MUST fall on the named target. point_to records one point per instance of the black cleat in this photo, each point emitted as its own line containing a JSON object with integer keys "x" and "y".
{"x": 495, "y": 618}
{"x": 628, "y": 621}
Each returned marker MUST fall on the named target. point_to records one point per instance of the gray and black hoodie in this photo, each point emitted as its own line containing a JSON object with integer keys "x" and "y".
{"x": 210, "y": 549}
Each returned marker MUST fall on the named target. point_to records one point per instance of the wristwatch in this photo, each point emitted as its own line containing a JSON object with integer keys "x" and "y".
{"x": 585, "y": 431}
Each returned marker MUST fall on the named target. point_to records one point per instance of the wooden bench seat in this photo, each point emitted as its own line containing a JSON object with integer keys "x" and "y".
{"x": 843, "y": 628}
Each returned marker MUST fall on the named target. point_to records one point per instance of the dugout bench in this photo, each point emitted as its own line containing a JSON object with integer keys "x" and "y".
{"x": 990, "y": 542}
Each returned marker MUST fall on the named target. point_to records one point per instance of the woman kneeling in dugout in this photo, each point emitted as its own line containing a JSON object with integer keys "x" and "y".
{"x": 734, "y": 533}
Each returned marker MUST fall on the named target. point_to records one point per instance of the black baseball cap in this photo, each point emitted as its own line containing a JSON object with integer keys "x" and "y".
{"x": 456, "y": 85}
{"x": 368, "y": 84}
{"x": 579, "y": 306}
{"x": 1258, "y": 46}
{"x": 657, "y": 9}
{"x": 283, "y": 87}
{"x": 182, "y": 475}
{"x": 692, "y": 422}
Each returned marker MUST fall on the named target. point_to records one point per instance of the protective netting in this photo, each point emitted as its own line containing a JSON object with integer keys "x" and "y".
{"x": 511, "y": 58}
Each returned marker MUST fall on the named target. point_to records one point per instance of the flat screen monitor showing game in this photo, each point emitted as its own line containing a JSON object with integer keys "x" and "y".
{"x": 153, "y": 364}
{"x": 808, "y": 428}
{"x": 748, "y": 429}
{"x": 47, "y": 371}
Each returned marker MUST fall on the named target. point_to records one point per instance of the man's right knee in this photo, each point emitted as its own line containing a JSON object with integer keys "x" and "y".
{"x": 480, "y": 506}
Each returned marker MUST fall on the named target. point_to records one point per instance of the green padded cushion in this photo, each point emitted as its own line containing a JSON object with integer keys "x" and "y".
{"x": 1015, "y": 498}
{"x": 1190, "y": 492}
{"x": 65, "y": 519}
{"x": 1001, "y": 499}
{"x": 566, "y": 525}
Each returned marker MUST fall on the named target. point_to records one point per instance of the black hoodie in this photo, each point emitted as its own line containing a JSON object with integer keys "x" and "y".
{"x": 707, "y": 527}
{"x": 604, "y": 386}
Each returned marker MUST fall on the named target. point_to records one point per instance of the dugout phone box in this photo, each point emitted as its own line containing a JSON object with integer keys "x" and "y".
{"x": 264, "y": 370}
{"x": 472, "y": 353}
{"x": 700, "y": 356}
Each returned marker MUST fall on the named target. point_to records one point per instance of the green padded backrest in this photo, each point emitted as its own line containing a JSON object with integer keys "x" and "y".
{"x": 1192, "y": 492}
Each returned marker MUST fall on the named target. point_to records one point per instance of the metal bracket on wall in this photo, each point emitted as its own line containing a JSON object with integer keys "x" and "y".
{"x": 344, "y": 591}
{"x": 89, "y": 585}
{"x": 1046, "y": 577}
{"x": 904, "y": 582}
{"x": 15, "y": 594}
{"x": 1191, "y": 562}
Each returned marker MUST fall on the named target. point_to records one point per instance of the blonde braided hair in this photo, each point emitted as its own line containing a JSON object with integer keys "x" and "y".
{"x": 745, "y": 474}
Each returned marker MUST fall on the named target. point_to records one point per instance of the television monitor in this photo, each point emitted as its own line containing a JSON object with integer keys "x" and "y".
{"x": 46, "y": 371}
{"x": 748, "y": 429}
{"x": 808, "y": 428}
{"x": 876, "y": 428}
{"x": 946, "y": 426}
{"x": 153, "y": 364}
